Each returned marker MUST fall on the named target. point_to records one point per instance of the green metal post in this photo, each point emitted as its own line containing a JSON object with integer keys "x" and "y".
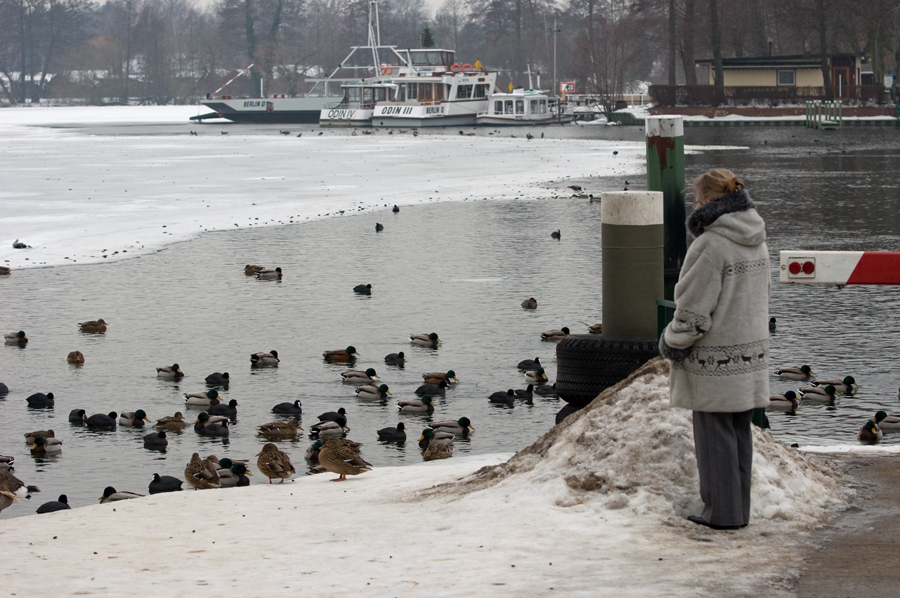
{"x": 665, "y": 172}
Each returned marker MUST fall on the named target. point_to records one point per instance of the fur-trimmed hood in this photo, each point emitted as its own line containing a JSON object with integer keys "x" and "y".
{"x": 733, "y": 216}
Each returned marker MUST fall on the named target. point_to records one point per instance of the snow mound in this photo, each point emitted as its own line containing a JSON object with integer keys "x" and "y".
{"x": 631, "y": 448}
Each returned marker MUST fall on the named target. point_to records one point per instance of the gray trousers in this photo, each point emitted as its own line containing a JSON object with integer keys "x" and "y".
{"x": 724, "y": 447}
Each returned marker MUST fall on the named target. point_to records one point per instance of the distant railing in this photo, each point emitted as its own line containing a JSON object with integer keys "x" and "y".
{"x": 710, "y": 95}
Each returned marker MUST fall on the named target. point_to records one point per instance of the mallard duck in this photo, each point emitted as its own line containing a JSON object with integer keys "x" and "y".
{"x": 529, "y": 364}
{"x": 397, "y": 434}
{"x": 338, "y": 458}
{"x": 93, "y": 327}
{"x": 596, "y": 329}
{"x": 844, "y": 386}
{"x": 201, "y": 474}
{"x": 251, "y": 270}
{"x": 270, "y": 358}
{"x": 817, "y": 394}
{"x": 218, "y": 379}
{"x": 110, "y": 494}
{"x": 234, "y": 476}
{"x": 60, "y": 504}
{"x": 30, "y": 436}
{"x": 546, "y": 390}
{"x": 267, "y": 274}
{"x": 164, "y": 483}
{"x": 437, "y": 377}
{"x": 372, "y": 393}
{"x": 287, "y": 429}
{"x": 555, "y": 335}
{"x": 505, "y": 398}
{"x": 395, "y": 358}
{"x": 890, "y": 423}
{"x": 46, "y": 446}
{"x": 870, "y": 432}
{"x": 526, "y": 393}
{"x": 459, "y": 427}
{"x": 225, "y": 462}
{"x": 437, "y": 451}
{"x": 76, "y": 357}
{"x": 431, "y": 436}
{"x": 7, "y": 462}
{"x": 4, "y": 270}
{"x": 530, "y": 303}
{"x": 77, "y": 416}
{"x": 135, "y": 419}
{"x": 205, "y": 420}
{"x": 274, "y": 463}
{"x": 16, "y": 338}
{"x": 294, "y": 408}
{"x": 9, "y": 486}
{"x": 339, "y": 417}
{"x": 101, "y": 420}
{"x": 792, "y": 373}
{"x": 172, "y": 423}
{"x": 363, "y": 289}
{"x": 536, "y": 377}
{"x": 40, "y": 399}
{"x": 222, "y": 409}
{"x": 787, "y": 402}
{"x": 430, "y": 340}
{"x": 172, "y": 372}
{"x": 432, "y": 389}
{"x": 423, "y": 405}
{"x": 312, "y": 451}
{"x": 327, "y": 429}
{"x": 359, "y": 376}
{"x": 347, "y": 355}
{"x": 156, "y": 440}
{"x": 202, "y": 399}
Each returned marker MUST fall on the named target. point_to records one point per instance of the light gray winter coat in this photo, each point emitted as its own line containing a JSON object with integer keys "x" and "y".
{"x": 718, "y": 342}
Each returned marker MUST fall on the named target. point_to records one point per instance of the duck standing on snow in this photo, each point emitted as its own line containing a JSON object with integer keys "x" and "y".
{"x": 337, "y": 458}
{"x": 9, "y": 486}
{"x": 347, "y": 355}
{"x": 430, "y": 340}
{"x": 870, "y": 432}
{"x": 555, "y": 335}
{"x": 172, "y": 372}
{"x": 16, "y": 338}
{"x": 94, "y": 326}
{"x": 793, "y": 373}
{"x": 201, "y": 474}
{"x": 273, "y": 463}
{"x": 270, "y": 358}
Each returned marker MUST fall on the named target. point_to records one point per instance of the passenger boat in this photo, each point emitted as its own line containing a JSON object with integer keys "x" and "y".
{"x": 436, "y": 92}
{"x": 521, "y": 107}
{"x": 357, "y": 105}
{"x": 371, "y": 60}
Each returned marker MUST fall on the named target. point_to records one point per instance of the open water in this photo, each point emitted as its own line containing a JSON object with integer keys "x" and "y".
{"x": 460, "y": 270}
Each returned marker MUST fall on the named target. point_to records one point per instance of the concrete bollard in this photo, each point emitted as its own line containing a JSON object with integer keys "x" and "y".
{"x": 632, "y": 224}
{"x": 665, "y": 172}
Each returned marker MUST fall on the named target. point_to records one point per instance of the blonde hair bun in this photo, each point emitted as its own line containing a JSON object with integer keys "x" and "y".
{"x": 716, "y": 183}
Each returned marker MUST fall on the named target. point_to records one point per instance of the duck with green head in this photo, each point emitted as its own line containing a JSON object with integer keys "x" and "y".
{"x": 347, "y": 355}
{"x": 135, "y": 419}
{"x": 795, "y": 373}
{"x": 870, "y": 432}
{"x": 437, "y": 377}
{"x": 16, "y": 338}
{"x": 359, "y": 376}
{"x": 202, "y": 399}
{"x": 459, "y": 427}
{"x": 45, "y": 446}
{"x": 787, "y": 402}
{"x": 817, "y": 394}
{"x": 372, "y": 393}
{"x": 172, "y": 372}
{"x": 420, "y": 407}
{"x": 430, "y": 340}
{"x": 844, "y": 387}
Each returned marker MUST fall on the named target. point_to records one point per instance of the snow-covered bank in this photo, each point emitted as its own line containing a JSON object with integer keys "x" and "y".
{"x": 92, "y": 198}
{"x": 594, "y": 508}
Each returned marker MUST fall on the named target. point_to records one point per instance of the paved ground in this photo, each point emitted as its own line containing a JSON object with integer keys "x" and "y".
{"x": 861, "y": 549}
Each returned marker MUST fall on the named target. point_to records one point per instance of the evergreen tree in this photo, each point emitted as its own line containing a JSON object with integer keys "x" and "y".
{"x": 426, "y": 40}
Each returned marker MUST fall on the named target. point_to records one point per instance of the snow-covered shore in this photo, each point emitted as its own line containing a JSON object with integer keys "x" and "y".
{"x": 595, "y": 507}
{"x": 76, "y": 197}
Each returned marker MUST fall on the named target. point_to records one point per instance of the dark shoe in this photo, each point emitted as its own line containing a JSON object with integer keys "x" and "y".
{"x": 701, "y": 521}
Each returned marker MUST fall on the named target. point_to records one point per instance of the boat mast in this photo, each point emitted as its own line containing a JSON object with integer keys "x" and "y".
{"x": 374, "y": 32}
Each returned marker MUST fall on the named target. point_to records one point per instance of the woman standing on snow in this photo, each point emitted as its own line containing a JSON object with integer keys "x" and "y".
{"x": 718, "y": 342}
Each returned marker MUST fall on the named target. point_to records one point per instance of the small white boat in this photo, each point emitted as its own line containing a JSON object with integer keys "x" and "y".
{"x": 358, "y": 104}
{"x": 521, "y": 107}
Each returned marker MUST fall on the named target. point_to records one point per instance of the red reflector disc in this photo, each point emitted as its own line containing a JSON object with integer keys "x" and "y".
{"x": 794, "y": 267}
{"x": 809, "y": 267}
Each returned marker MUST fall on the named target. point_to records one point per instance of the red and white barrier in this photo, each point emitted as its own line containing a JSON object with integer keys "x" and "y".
{"x": 840, "y": 267}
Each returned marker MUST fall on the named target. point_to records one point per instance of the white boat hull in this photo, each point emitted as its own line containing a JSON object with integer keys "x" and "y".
{"x": 518, "y": 120}
{"x": 447, "y": 114}
{"x": 346, "y": 117}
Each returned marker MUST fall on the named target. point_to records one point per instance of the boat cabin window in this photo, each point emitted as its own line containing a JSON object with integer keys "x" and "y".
{"x": 411, "y": 91}
{"x": 498, "y": 106}
{"x": 439, "y": 91}
{"x": 543, "y": 106}
{"x": 431, "y": 58}
{"x": 520, "y": 106}
{"x": 480, "y": 91}
{"x": 533, "y": 107}
{"x": 367, "y": 96}
{"x": 401, "y": 93}
{"x": 424, "y": 91}
{"x": 508, "y": 106}
{"x": 381, "y": 94}
{"x": 351, "y": 94}
{"x": 463, "y": 92}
